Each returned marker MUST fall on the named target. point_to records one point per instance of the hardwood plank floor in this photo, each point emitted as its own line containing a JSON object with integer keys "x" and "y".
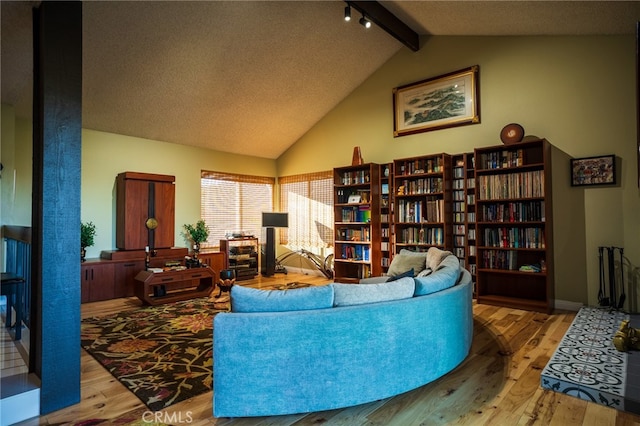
{"x": 498, "y": 383}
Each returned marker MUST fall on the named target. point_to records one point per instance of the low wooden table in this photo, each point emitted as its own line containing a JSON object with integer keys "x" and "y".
{"x": 156, "y": 288}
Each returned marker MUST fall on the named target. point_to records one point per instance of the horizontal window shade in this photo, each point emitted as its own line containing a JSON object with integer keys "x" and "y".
{"x": 308, "y": 198}
{"x": 233, "y": 203}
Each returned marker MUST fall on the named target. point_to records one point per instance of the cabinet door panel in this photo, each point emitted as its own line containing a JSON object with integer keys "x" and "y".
{"x": 164, "y": 212}
{"x": 125, "y": 274}
{"x": 97, "y": 282}
{"x": 133, "y": 210}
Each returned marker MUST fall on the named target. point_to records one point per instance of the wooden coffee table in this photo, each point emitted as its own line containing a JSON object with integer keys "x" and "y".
{"x": 156, "y": 288}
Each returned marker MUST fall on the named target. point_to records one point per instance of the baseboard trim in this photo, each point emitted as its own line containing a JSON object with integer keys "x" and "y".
{"x": 567, "y": 305}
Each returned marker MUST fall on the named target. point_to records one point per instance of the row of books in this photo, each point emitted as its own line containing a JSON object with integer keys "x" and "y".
{"x": 355, "y": 177}
{"x": 513, "y": 185}
{"x": 419, "y": 186}
{"x": 459, "y": 206}
{"x": 410, "y": 167}
{"x": 498, "y": 259}
{"x": 459, "y": 183}
{"x": 470, "y": 199}
{"x": 420, "y": 211}
{"x": 459, "y": 229}
{"x": 356, "y": 252}
{"x": 532, "y": 238}
{"x": 354, "y": 234}
{"x": 356, "y": 214}
{"x": 521, "y": 211}
{"x": 502, "y": 159}
{"x": 414, "y": 235}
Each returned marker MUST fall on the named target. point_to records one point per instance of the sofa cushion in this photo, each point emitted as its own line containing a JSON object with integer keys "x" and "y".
{"x": 406, "y": 260}
{"x": 410, "y": 273}
{"x": 435, "y": 256}
{"x": 359, "y": 294}
{"x": 247, "y": 299}
{"x": 445, "y": 276}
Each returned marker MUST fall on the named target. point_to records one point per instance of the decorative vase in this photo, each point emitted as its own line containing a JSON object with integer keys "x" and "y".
{"x": 83, "y": 254}
{"x": 357, "y": 157}
{"x": 196, "y": 250}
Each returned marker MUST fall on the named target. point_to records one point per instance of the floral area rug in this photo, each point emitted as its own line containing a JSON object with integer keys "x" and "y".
{"x": 163, "y": 354}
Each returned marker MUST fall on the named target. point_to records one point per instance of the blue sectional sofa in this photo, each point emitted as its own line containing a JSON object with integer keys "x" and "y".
{"x": 327, "y": 347}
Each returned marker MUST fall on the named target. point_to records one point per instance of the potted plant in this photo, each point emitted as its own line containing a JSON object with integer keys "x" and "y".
{"x": 87, "y": 233}
{"x": 198, "y": 234}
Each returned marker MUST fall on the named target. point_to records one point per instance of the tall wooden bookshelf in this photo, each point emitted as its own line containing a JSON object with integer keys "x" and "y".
{"x": 386, "y": 215}
{"x": 357, "y": 222}
{"x": 463, "y": 205}
{"x": 422, "y": 203}
{"x": 514, "y": 226}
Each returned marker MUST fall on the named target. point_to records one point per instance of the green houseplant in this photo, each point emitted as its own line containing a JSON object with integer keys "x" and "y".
{"x": 87, "y": 234}
{"x": 198, "y": 234}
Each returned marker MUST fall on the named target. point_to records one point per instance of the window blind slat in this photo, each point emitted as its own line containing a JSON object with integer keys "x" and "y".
{"x": 233, "y": 203}
{"x": 308, "y": 198}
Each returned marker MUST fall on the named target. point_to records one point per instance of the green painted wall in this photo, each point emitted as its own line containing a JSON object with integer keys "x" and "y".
{"x": 577, "y": 92}
{"x": 105, "y": 155}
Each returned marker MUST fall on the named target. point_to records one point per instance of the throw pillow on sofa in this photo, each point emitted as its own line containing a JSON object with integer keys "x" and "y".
{"x": 247, "y": 299}
{"x": 444, "y": 276}
{"x": 435, "y": 256}
{"x": 360, "y": 294}
{"x": 406, "y": 260}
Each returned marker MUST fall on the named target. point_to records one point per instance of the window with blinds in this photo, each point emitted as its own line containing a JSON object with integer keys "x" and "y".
{"x": 233, "y": 203}
{"x": 308, "y": 198}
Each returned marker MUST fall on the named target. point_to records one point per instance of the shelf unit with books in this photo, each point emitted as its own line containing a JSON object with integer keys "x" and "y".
{"x": 422, "y": 203}
{"x": 386, "y": 215}
{"x": 514, "y": 226}
{"x": 357, "y": 222}
{"x": 464, "y": 211}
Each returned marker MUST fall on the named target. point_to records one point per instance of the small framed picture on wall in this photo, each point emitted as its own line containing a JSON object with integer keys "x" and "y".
{"x": 593, "y": 170}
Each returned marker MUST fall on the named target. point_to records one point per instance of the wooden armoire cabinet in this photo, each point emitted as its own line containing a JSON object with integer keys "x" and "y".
{"x": 145, "y": 206}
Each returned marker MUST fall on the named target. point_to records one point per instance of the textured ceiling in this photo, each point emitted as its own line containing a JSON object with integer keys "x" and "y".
{"x": 251, "y": 77}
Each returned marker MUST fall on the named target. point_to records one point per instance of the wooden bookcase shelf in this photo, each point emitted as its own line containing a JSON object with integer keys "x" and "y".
{"x": 464, "y": 212}
{"x": 514, "y": 228}
{"x": 422, "y": 203}
{"x": 357, "y": 222}
{"x": 386, "y": 216}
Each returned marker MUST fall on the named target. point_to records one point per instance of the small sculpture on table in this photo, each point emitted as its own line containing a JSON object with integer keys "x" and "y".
{"x": 226, "y": 281}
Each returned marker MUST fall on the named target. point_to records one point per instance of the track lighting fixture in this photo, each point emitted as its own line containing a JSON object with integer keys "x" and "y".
{"x": 347, "y": 13}
{"x": 365, "y": 22}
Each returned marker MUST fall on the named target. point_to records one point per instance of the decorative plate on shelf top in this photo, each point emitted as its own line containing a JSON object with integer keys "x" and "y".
{"x": 511, "y": 133}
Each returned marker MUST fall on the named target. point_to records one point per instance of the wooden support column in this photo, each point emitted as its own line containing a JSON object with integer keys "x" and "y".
{"x": 57, "y": 125}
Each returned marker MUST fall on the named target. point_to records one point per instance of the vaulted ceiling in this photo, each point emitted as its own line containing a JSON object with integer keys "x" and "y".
{"x": 251, "y": 77}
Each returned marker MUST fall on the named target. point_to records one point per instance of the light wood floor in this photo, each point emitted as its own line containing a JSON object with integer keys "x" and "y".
{"x": 498, "y": 384}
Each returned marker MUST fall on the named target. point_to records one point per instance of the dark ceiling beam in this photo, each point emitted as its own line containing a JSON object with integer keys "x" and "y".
{"x": 386, "y": 20}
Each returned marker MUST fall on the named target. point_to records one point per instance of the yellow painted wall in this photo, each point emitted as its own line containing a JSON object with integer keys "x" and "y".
{"x": 577, "y": 92}
{"x": 16, "y": 157}
{"x": 105, "y": 155}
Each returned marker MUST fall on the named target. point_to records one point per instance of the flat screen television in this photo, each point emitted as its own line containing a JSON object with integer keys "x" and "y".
{"x": 275, "y": 220}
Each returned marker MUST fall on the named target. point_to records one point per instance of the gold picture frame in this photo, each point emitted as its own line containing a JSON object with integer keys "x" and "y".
{"x": 440, "y": 102}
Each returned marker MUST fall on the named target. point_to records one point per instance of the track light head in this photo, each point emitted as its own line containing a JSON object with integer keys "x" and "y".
{"x": 347, "y": 13}
{"x": 365, "y": 22}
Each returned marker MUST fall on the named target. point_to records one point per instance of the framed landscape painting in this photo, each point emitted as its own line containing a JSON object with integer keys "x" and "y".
{"x": 593, "y": 171}
{"x": 437, "y": 103}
